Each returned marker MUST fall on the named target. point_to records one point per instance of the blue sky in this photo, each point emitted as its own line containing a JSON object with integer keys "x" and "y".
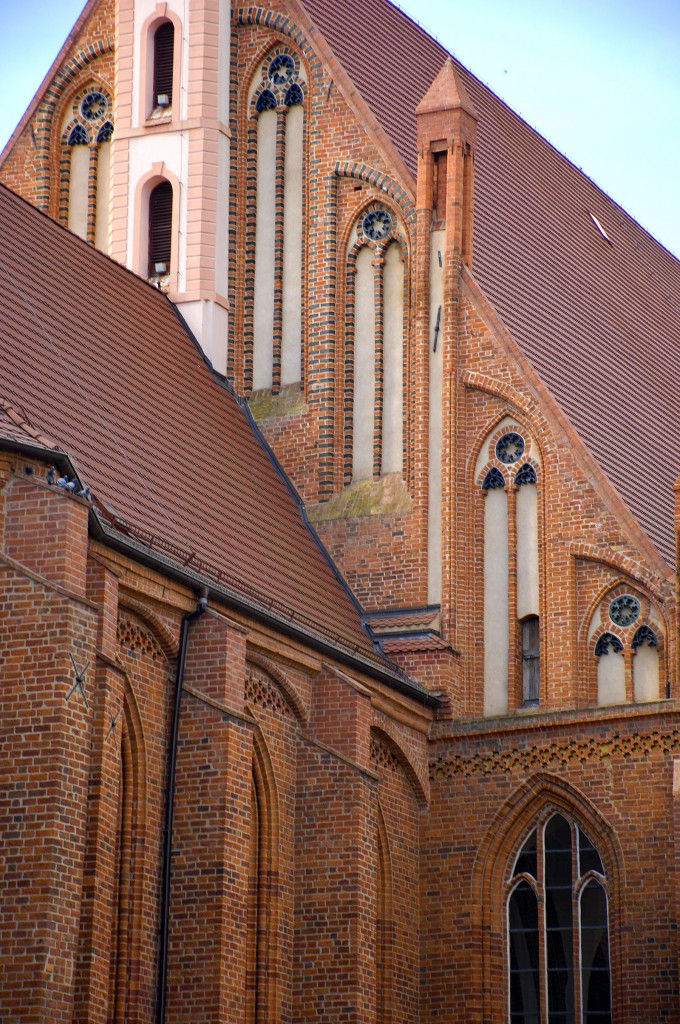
{"x": 599, "y": 78}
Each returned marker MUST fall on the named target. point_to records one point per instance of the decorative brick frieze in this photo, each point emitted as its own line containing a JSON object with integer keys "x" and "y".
{"x": 535, "y": 757}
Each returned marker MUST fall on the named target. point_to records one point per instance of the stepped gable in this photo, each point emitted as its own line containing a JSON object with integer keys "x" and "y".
{"x": 598, "y": 317}
{"x": 96, "y": 359}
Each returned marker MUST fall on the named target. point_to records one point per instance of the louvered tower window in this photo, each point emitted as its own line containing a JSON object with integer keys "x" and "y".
{"x": 164, "y": 44}
{"x": 160, "y": 229}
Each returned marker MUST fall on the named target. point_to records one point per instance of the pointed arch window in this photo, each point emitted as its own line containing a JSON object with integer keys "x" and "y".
{"x": 558, "y": 929}
{"x": 511, "y": 570}
{"x": 627, "y": 641}
{"x": 273, "y": 299}
{"x": 78, "y": 136}
{"x": 84, "y": 187}
{"x": 105, "y": 133}
{"x": 374, "y": 348}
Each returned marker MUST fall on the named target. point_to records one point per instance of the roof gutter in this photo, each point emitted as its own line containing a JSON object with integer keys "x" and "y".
{"x": 195, "y": 581}
{"x": 155, "y": 560}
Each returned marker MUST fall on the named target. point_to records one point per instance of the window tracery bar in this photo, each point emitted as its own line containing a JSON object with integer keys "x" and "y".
{"x": 606, "y": 643}
{"x": 558, "y": 929}
{"x": 644, "y": 635}
{"x": 494, "y": 478}
{"x": 526, "y": 474}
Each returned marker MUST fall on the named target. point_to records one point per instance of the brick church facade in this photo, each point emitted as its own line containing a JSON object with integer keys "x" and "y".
{"x": 338, "y": 537}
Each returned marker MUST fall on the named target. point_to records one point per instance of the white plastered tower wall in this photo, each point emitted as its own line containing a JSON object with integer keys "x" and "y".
{"x": 189, "y": 147}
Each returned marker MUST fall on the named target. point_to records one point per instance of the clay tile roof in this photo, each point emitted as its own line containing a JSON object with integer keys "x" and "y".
{"x": 98, "y": 360}
{"x": 599, "y": 319}
{"x": 421, "y": 642}
{"x": 403, "y": 619}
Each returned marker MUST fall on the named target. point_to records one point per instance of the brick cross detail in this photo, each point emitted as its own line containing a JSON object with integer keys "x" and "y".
{"x": 112, "y": 729}
{"x": 79, "y": 683}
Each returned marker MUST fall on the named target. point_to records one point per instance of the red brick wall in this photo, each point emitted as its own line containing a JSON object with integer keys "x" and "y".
{"x": 614, "y": 775}
{"x": 32, "y": 166}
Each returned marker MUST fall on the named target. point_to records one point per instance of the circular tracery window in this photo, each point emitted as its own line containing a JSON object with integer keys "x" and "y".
{"x": 624, "y": 610}
{"x": 94, "y": 105}
{"x": 376, "y": 224}
{"x": 281, "y": 68}
{"x": 510, "y": 448}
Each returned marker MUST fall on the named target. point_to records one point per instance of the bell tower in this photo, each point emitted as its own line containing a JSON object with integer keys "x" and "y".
{"x": 170, "y": 162}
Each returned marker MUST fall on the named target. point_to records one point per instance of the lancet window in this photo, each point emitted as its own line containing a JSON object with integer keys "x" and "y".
{"x": 85, "y": 166}
{"x": 558, "y": 929}
{"x": 374, "y": 347}
{"x": 87, "y": 129}
{"x": 507, "y": 472}
{"x": 626, "y": 634}
{"x": 276, "y": 107}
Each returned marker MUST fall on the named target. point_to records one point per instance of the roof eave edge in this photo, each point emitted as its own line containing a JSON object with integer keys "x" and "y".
{"x": 54, "y": 67}
{"x": 154, "y": 560}
{"x": 356, "y": 101}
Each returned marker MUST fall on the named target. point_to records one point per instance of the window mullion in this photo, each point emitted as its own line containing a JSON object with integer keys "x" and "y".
{"x": 542, "y": 957}
{"x": 514, "y": 676}
{"x": 576, "y": 924}
{"x": 378, "y": 264}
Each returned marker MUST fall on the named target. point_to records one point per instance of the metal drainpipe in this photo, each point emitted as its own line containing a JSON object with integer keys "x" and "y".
{"x": 169, "y": 805}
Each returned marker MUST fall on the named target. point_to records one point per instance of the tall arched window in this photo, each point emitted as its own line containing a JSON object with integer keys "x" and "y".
{"x": 507, "y": 470}
{"x": 160, "y": 230}
{"x": 277, "y": 134}
{"x": 558, "y": 929}
{"x": 627, "y": 637}
{"x": 84, "y": 188}
{"x": 374, "y": 347}
{"x": 163, "y": 64}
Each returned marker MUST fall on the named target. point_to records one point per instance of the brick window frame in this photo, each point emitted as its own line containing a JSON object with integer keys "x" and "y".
{"x": 528, "y": 467}
{"x": 536, "y": 799}
{"x": 262, "y": 87}
{"x": 395, "y": 236}
{"x": 97, "y": 132}
{"x": 592, "y": 635}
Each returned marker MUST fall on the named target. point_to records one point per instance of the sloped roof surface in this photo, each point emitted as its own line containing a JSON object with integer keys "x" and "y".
{"x": 96, "y": 359}
{"x": 599, "y": 320}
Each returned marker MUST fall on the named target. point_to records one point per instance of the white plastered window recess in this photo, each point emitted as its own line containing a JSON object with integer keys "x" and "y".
{"x": 87, "y": 129}
{"x": 626, "y": 643}
{"x": 374, "y": 346}
{"x": 276, "y": 104}
{"x": 507, "y": 472}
